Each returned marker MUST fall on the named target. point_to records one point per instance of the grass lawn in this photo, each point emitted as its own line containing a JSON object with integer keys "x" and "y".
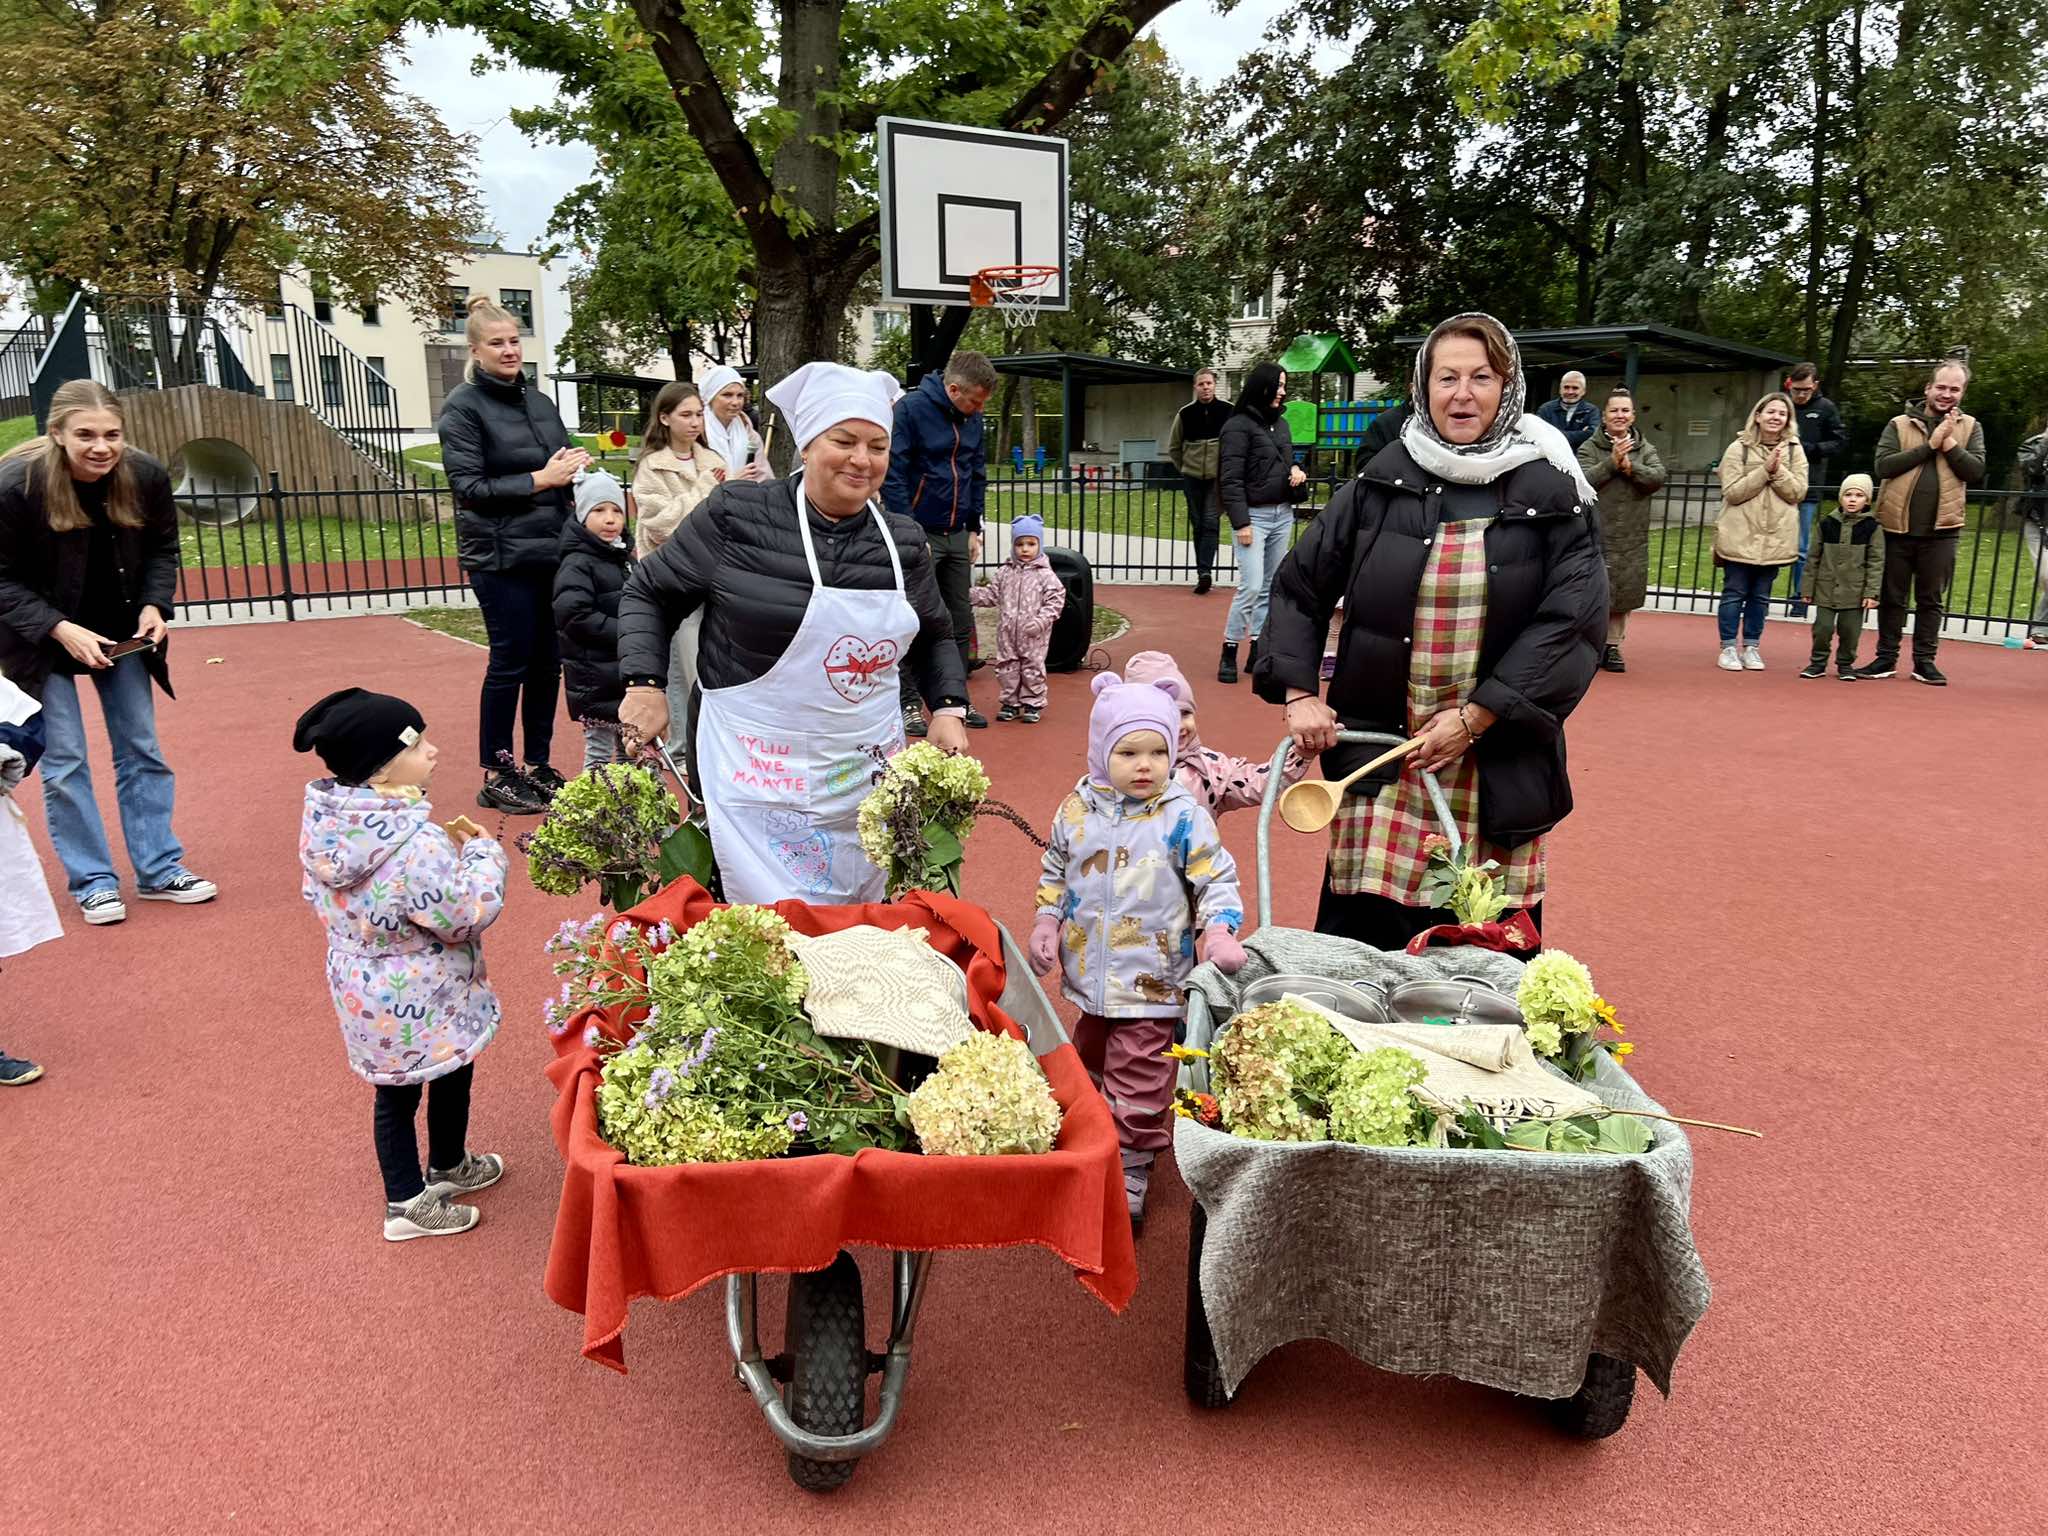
{"x": 424, "y": 462}
{"x": 16, "y": 429}
{"x": 468, "y": 624}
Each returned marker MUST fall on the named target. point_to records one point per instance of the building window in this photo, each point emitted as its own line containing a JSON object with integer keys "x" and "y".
{"x": 330, "y": 379}
{"x": 456, "y": 316}
{"x": 281, "y": 377}
{"x": 889, "y": 322}
{"x": 532, "y": 372}
{"x": 273, "y": 307}
{"x": 372, "y": 315}
{"x": 1255, "y": 305}
{"x": 520, "y": 302}
{"x": 380, "y": 387}
{"x": 323, "y": 301}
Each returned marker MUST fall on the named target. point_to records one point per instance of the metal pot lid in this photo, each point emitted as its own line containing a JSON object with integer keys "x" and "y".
{"x": 1453, "y": 1000}
{"x": 1338, "y": 996}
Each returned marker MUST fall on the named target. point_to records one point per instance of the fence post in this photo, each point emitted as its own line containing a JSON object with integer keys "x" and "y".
{"x": 284, "y": 558}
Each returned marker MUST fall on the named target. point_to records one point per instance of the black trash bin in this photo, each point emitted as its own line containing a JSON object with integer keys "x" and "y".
{"x": 1074, "y": 630}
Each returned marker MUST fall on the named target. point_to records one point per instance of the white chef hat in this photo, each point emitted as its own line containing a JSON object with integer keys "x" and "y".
{"x": 818, "y": 396}
{"x": 718, "y": 380}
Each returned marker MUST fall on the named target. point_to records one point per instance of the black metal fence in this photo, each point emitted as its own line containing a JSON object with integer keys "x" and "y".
{"x": 295, "y": 552}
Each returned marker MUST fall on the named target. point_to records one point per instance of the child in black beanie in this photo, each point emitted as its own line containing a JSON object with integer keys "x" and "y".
{"x": 404, "y": 902}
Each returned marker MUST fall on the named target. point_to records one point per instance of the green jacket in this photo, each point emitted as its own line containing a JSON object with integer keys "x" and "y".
{"x": 1844, "y": 561}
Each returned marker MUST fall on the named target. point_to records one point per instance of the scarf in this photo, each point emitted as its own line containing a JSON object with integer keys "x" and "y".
{"x": 1514, "y": 439}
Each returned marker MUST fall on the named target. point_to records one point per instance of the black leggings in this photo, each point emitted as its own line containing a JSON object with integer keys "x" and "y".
{"x": 1381, "y": 921}
{"x": 519, "y": 617}
{"x": 398, "y": 1146}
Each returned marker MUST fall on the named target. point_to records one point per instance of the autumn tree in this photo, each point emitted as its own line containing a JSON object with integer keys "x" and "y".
{"x": 138, "y": 158}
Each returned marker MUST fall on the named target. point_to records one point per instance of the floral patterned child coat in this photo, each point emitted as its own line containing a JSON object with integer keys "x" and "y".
{"x": 403, "y": 911}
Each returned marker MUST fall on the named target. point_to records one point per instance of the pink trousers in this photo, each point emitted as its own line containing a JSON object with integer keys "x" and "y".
{"x": 1128, "y": 1061}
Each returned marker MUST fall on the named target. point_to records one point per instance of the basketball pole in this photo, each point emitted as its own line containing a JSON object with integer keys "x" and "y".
{"x": 934, "y": 333}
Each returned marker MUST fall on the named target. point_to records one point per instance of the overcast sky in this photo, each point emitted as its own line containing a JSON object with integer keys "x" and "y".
{"x": 522, "y": 181}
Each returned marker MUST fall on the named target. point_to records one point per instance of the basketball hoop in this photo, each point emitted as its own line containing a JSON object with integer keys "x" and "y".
{"x": 1014, "y": 291}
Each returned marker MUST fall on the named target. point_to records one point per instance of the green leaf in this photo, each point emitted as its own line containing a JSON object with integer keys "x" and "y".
{"x": 902, "y": 1103}
{"x": 1623, "y": 1135}
{"x": 1480, "y": 1130}
{"x": 945, "y": 847}
{"x": 686, "y": 851}
{"x": 1530, "y": 1135}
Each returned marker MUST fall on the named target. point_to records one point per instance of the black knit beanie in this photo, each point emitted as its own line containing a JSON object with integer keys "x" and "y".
{"x": 357, "y": 732}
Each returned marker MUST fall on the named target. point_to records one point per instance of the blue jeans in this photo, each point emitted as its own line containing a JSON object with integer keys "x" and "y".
{"x": 1807, "y": 509}
{"x": 142, "y": 783}
{"x": 1257, "y": 564}
{"x": 1744, "y": 600}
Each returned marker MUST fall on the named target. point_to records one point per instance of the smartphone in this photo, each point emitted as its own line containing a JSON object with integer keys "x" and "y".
{"x": 127, "y": 648}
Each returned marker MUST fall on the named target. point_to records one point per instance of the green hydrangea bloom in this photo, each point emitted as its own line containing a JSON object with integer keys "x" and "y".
{"x": 1274, "y": 1071}
{"x": 658, "y": 1108}
{"x": 1557, "y": 999}
{"x": 922, "y": 790}
{"x": 1372, "y": 1104}
{"x": 987, "y": 1097}
{"x": 609, "y": 819}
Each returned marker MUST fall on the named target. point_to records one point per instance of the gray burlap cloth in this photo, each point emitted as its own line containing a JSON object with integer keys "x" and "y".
{"x": 1501, "y": 1268}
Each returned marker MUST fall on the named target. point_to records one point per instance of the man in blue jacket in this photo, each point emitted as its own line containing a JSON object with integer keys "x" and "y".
{"x": 938, "y": 474}
{"x": 1823, "y": 434}
{"x": 1571, "y": 412}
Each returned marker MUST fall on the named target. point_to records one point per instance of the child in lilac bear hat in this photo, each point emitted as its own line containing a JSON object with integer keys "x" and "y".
{"x": 1134, "y": 874}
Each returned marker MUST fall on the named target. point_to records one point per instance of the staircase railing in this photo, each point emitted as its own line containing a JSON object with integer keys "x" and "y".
{"x": 19, "y": 355}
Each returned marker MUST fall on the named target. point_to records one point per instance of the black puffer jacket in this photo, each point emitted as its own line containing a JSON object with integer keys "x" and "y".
{"x": 1546, "y": 619}
{"x": 587, "y": 587}
{"x": 42, "y": 574}
{"x": 740, "y": 557}
{"x": 1253, "y": 458}
{"x": 494, "y": 435}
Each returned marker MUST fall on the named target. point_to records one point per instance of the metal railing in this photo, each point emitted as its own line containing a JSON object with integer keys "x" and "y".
{"x": 19, "y": 355}
{"x": 320, "y": 551}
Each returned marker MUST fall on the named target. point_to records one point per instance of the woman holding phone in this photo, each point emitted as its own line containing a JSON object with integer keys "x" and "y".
{"x": 88, "y": 573}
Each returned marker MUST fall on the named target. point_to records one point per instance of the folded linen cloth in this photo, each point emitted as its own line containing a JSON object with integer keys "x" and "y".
{"x": 884, "y": 985}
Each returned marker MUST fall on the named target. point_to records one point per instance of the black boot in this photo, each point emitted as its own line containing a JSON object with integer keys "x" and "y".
{"x": 1251, "y": 659}
{"x": 1203, "y": 584}
{"x": 1226, "y": 669}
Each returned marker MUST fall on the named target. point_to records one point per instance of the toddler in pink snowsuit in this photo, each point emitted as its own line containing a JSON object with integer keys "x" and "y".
{"x": 1028, "y": 596}
{"x": 1218, "y": 780}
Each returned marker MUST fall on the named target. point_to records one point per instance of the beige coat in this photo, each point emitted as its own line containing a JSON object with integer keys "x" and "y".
{"x": 1760, "y": 511}
{"x": 667, "y": 489}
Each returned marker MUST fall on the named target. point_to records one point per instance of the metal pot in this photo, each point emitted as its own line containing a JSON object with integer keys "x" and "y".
{"x": 1454, "y": 1000}
{"x": 1354, "y": 1000}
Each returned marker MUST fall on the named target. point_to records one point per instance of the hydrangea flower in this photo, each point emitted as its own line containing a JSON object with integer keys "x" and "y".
{"x": 987, "y": 1097}
{"x": 1373, "y": 1104}
{"x": 1556, "y": 997}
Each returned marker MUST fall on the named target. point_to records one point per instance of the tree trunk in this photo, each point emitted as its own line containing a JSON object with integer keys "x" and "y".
{"x": 1700, "y": 238}
{"x": 1862, "y": 244}
{"x": 679, "y": 349}
{"x": 799, "y": 313}
{"x": 1007, "y": 399}
{"x": 1027, "y": 399}
{"x": 1816, "y": 195}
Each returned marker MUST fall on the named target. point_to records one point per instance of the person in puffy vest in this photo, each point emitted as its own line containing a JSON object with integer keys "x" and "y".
{"x": 1844, "y": 575}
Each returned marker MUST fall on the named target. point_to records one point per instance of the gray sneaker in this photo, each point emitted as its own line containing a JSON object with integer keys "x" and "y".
{"x": 103, "y": 907}
{"x": 427, "y": 1214}
{"x": 184, "y": 888}
{"x": 477, "y": 1170}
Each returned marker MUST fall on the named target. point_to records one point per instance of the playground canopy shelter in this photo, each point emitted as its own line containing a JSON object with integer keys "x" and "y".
{"x": 1312, "y": 419}
{"x": 1118, "y": 404}
{"x": 1692, "y": 392}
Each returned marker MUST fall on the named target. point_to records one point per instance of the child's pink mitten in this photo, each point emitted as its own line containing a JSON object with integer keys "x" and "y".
{"x": 1221, "y": 949}
{"x": 1044, "y": 947}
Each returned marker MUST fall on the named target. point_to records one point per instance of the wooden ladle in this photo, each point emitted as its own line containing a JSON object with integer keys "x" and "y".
{"x": 1311, "y": 804}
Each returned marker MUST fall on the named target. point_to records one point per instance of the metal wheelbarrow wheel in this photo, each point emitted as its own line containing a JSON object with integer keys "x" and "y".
{"x": 825, "y": 1335}
{"x": 1601, "y": 1405}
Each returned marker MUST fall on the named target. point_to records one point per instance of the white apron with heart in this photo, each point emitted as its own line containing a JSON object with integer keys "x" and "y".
{"x": 787, "y": 759}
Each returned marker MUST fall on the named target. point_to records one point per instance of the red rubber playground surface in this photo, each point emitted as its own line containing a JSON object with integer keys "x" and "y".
{"x": 1817, "y": 905}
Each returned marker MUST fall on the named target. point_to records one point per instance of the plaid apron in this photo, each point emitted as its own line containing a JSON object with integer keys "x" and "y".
{"x": 1376, "y": 844}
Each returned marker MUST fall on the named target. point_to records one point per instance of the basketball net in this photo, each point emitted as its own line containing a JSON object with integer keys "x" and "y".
{"x": 1014, "y": 292}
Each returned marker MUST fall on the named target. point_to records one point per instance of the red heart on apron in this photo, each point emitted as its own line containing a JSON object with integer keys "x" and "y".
{"x": 854, "y": 666}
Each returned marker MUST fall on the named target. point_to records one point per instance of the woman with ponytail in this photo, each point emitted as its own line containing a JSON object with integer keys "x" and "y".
{"x": 509, "y": 460}
{"x": 88, "y": 574}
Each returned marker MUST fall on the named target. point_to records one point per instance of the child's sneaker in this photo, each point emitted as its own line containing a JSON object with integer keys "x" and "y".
{"x": 1137, "y": 1182}
{"x": 1027, "y": 717}
{"x": 427, "y": 1214}
{"x": 477, "y": 1170}
{"x": 14, "y": 1072}
{"x": 1007, "y": 712}
{"x": 1815, "y": 669}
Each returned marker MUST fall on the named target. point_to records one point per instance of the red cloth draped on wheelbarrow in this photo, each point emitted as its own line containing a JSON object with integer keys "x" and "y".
{"x": 623, "y": 1232}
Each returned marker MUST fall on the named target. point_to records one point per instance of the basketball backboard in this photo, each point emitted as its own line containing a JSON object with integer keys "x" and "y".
{"x": 955, "y": 200}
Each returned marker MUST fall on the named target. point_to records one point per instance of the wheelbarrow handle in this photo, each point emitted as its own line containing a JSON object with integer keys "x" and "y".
{"x": 1274, "y": 786}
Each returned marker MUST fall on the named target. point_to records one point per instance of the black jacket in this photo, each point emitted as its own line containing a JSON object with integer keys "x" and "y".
{"x": 494, "y": 435}
{"x": 1546, "y": 619}
{"x": 42, "y": 574}
{"x": 1254, "y": 459}
{"x": 740, "y": 557}
{"x": 1384, "y": 432}
{"x": 1823, "y": 434}
{"x": 587, "y": 587}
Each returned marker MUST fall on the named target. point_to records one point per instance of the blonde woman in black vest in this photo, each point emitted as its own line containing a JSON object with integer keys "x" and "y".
{"x": 509, "y": 461}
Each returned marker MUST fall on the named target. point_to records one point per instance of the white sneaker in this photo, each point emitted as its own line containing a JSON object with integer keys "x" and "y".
{"x": 427, "y": 1214}
{"x": 1752, "y": 659}
{"x": 1729, "y": 661}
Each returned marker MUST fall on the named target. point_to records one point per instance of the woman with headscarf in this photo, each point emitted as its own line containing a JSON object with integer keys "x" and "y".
{"x": 1257, "y": 483}
{"x": 1475, "y": 606}
{"x": 1763, "y": 480}
{"x": 729, "y": 430}
{"x": 812, "y": 597}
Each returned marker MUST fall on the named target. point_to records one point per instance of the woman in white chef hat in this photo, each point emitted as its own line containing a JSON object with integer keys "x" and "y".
{"x": 813, "y": 598}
